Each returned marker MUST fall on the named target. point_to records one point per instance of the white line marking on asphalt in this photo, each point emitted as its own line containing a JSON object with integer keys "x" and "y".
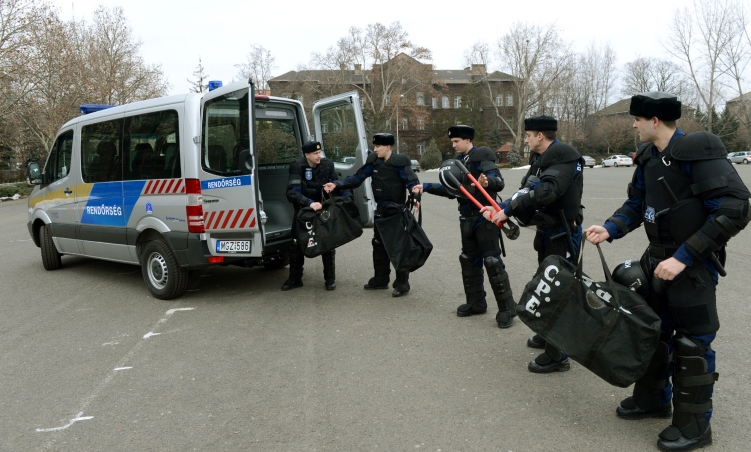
{"x": 75, "y": 419}
{"x": 123, "y": 368}
{"x": 149, "y": 334}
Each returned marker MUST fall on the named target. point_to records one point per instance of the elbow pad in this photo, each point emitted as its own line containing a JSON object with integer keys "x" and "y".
{"x": 714, "y": 235}
{"x": 523, "y": 200}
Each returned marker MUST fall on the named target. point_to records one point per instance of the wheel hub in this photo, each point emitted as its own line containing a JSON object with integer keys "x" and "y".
{"x": 157, "y": 270}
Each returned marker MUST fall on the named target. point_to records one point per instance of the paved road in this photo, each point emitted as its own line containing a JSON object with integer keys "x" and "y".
{"x": 90, "y": 361}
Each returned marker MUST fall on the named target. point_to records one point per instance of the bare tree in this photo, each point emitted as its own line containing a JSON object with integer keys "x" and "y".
{"x": 200, "y": 84}
{"x": 700, "y": 37}
{"x": 259, "y": 66}
{"x": 654, "y": 74}
{"x": 736, "y": 60}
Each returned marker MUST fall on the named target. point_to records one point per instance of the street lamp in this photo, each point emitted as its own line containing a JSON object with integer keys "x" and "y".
{"x": 397, "y": 121}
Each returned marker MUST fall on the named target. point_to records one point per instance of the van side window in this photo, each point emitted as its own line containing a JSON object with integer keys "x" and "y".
{"x": 58, "y": 162}
{"x": 276, "y": 141}
{"x": 152, "y": 148}
{"x": 225, "y": 133}
{"x": 101, "y": 156}
{"x": 341, "y": 141}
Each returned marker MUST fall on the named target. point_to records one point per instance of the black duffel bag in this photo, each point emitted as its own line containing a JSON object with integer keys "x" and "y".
{"x": 604, "y": 326}
{"x": 337, "y": 223}
{"x": 406, "y": 243}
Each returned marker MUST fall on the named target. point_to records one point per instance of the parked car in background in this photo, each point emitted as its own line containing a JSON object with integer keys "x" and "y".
{"x": 589, "y": 161}
{"x": 617, "y": 160}
{"x": 415, "y": 166}
{"x": 743, "y": 157}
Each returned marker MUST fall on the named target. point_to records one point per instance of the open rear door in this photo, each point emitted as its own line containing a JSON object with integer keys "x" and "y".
{"x": 229, "y": 176}
{"x": 340, "y": 128}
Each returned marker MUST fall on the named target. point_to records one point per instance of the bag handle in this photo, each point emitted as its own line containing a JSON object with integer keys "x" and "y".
{"x": 606, "y": 270}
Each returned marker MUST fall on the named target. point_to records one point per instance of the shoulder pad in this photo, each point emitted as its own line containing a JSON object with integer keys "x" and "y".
{"x": 294, "y": 167}
{"x": 643, "y": 154}
{"x": 559, "y": 153}
{"x": 699, "y": 146}
{"x": 301, "y": 161}
{"x": 399, "y": 160}
{"x": 482, "y": 153}
{"x": 327, "y": 164}
{"x": 372, "y": 157}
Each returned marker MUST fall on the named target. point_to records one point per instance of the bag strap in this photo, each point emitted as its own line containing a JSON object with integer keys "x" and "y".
{"x": 609, "y": 278}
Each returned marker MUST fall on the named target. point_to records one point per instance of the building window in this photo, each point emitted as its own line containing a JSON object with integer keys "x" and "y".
{"x": 404, "y": 123}
{"x": 420, "y": 99}
{"x": 420, "y": 147}
{"x": 324, "y": 127}
{"x": 420, "y": 124}
{"x": 434, "y": 102}
{"x": 509, "y": 100}
{"x": 445, "y": 102}
{"x": 457, "y": 101}
{"x": 388, "y": 100}
{"x": 337, "y": 127}
{"x": 499, "y": 100}
{"x": 510, "y": 121}
{"x": 362, "y": 103}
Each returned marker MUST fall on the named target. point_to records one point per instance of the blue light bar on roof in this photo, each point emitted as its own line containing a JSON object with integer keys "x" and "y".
{"x": 91, "y": 108}
{"x": 214, "y": 84}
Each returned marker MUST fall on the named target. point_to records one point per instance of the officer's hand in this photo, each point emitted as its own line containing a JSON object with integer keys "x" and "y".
{"x": 483, "y": 180}
{"x": 669, "y": 269}
{"x": 596, "y": 234}
{"x": 328, "y": 187}
{"x": 417, "y": 189}
{"x": 488, "y": 212}
{"x": 316, "y": 206}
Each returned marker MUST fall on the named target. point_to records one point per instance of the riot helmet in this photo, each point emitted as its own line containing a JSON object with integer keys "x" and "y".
{"x": 631, "y": 274}
{"x": 450, "y": 175}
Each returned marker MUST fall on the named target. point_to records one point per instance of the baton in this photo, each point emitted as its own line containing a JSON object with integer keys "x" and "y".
{"x": 712, "y": 256}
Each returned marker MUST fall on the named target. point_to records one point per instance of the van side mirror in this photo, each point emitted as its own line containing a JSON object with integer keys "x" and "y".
{"x": 34, "y": 173}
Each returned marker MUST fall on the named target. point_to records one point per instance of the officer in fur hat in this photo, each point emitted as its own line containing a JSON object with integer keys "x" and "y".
{"x": 307, "y": 175}
{"x": 480, "y": 239}
{"x": 691, "y": 202}
{"x": 550, "y": 194}
{"x": 391, "y": 178}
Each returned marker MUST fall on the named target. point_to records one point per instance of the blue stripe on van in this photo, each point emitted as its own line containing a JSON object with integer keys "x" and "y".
{"x": 105, "y": 205}
{"x": 225, "y": 182}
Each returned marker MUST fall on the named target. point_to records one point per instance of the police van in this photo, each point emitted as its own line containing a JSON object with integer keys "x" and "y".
{"x": 188, "y": 181}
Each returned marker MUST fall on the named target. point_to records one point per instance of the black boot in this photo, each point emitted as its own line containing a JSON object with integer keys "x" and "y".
{"x": 473, "y": 289}
{"x": 646, "y": 400}
{"x": 401, "y": 286}
{"x": 498, "y": 279}
{"x": 692, "y": 398}
{"x": 550, "y": 361}
{"x": 296, "y": 261}
{"x": 329, "y": 269}
{"x": 536, "y": 341}
{"x": 382, "y": 267}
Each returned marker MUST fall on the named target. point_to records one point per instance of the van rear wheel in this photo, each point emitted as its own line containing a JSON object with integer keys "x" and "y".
{"x": 161, "y": 272}
{"x": 50, "y": 257}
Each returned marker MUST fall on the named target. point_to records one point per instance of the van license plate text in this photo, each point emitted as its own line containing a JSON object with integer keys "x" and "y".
{"x": 236, "y": 246}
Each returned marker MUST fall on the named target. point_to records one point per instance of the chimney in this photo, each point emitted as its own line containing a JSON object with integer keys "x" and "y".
{"x": 479, "y": 68}
{"x": 358, "y": 69}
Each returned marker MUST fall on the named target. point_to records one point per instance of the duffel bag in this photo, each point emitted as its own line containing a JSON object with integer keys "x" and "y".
{"x": 334, "y": 225}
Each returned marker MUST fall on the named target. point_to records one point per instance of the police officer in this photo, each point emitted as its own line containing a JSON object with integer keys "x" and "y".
{"x": 391, "y": 177}
{"x": 480, "y": 238}
{"x": 691, "y": 202}
{"x": 307, "y": 175}
{"x": 550, "y": 199}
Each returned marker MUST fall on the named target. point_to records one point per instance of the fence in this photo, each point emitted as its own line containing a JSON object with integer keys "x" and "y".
{"x": 7, "y": 176}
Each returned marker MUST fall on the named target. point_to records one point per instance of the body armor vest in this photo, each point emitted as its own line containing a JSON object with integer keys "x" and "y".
{"x": 313, "y": 179}
{"x": 471, "y": 165}
{"x": 570, "y": 200}
{"x": 386, "y": 182}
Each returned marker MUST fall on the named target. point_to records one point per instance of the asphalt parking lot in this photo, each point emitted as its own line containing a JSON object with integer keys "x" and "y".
{"x": 90, "y": 361}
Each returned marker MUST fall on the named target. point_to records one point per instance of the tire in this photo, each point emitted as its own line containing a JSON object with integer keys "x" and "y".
{"x": 277, "y": 263}
{"x": 161, "y": 273}
{"x": 50, "y": 257}
{"x": 745, "y": 161}
{"x": 592, "y": 166}
{"x": 615, "y": 164}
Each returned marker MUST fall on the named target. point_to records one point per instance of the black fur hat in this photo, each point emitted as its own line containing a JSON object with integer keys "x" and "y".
{"x": 541, "y": 123}
{"x": 311, "y": 146}
{"x": 383, "y": 139}
{"x": 665, "y": 106}
{"x": 462, "y": 131}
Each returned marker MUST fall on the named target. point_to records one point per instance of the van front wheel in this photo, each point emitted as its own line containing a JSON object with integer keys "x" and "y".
{"x": 161, "y": 272}
{"x": 50, "y": 257}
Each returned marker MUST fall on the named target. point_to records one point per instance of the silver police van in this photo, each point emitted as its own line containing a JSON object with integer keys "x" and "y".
{"x": 184, "y": 182}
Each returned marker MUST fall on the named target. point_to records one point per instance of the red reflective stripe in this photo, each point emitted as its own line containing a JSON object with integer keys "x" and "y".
{"x": 161, "y": 187}
{"x": 209, "y": 217}
{"x": 182, "y": 186}
{"x": 237, "y": 217}
{"x": 245, "y": 220}
{"x": 252, "y": 223}
{"x": 169, "y": 186}
{"x": 226, "y": 220}
{"x": 148, "y": 187}
{"x": 218, "y": 219}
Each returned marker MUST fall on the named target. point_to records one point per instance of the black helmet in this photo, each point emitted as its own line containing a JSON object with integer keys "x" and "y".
{"x": 631, "y": 274}
{"x": 450, "y": 175}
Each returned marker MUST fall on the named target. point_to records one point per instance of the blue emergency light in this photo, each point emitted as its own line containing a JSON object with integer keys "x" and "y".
{"x": 214, "y": 84}
{"x": 91, "y": 108}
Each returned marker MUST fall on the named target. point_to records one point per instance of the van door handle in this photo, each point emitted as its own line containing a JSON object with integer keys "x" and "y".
{"x": 68, "y": 191}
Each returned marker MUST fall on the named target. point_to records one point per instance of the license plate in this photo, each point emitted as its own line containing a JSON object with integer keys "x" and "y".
{"x": 233, "y": 246}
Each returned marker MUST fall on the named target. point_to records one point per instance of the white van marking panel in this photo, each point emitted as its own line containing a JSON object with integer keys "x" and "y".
{"x": 220, "y": 219}
{"x": 226, "y": 182}
{"x": 164, "y": 187}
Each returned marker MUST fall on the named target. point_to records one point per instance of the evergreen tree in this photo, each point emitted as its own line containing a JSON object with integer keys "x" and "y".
{"x": 495, "y": 139}
{"x": 432, "y": 157}
{"x": 201, "y": 84}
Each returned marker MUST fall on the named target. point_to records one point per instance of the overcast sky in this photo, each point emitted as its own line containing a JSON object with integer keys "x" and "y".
{"x": 175, "y": 33}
